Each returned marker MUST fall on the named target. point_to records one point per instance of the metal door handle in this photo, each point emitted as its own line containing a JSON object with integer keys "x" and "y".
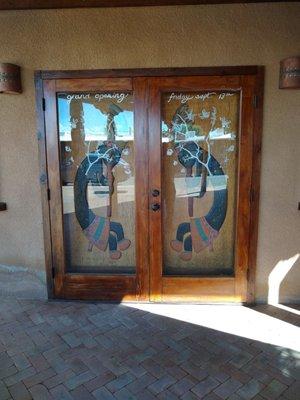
{"x": 155, "y": 206}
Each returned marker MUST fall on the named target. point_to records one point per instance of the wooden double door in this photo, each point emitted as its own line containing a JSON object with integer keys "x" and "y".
{"x": 152, "y": 183}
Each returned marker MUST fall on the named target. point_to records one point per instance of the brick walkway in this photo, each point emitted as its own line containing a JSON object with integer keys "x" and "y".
{"x": 74, "y": 350}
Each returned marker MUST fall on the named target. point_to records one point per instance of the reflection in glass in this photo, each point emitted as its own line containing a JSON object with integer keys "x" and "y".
{"x": 199, "y": 138}
{"x": 97, "y": 171}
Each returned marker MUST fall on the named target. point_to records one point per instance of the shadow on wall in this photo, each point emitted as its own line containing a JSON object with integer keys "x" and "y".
{"x": 276, "y": 277}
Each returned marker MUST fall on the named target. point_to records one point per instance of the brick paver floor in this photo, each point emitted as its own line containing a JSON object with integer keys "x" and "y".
{"x": 88, "y": 351}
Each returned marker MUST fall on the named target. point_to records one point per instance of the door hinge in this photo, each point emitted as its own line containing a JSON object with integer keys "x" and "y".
{"x": 255, "y": 101}
{"x": 248, "y": 273}
{"x": 48, "y": 194}
{"x": 43, "y": 179}
{"x": 44, "y": 104}
{"x": 39, "y": 135}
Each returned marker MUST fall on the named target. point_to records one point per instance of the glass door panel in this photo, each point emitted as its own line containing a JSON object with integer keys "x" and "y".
{"x": 199, "y": 134}
{"x": 97, "y": 164}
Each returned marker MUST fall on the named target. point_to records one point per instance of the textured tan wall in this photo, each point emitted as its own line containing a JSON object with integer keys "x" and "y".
{"x": 153, "y": 37}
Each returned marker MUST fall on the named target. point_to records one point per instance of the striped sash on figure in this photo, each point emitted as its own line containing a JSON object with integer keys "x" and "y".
{"x": 202, "y": 233}
{"x": 98, "y": 232}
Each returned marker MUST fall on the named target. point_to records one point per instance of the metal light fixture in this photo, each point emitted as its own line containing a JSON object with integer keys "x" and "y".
{"x": 290, "y": 73}
{"x": 10, "y": 82}
{"x": 10, "y": 78}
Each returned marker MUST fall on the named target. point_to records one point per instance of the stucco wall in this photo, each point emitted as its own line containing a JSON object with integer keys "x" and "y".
{"x": 150, "y": 37}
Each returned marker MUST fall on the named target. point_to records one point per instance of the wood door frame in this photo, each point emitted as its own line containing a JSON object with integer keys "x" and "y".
{"x": 257, "y": 71}
{"x": 53, "y": 4}
{"x": 214, "y": 288}
{"x": 111, "y": 287}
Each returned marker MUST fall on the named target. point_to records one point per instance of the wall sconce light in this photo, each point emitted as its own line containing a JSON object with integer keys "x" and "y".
{"x": 10, "y": 82}
{"x": 290, "y": 73}
{"x": 10, "y": 78}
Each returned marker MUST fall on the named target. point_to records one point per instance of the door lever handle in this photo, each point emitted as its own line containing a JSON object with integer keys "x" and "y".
{"x": 155, "y": 207}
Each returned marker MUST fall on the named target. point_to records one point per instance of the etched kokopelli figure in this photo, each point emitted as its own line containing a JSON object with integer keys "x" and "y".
{"x": 97, "y": 168}
{"x": 200, "y": 231}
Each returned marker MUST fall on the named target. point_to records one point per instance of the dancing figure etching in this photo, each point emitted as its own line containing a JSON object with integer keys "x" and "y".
{"x": 97, "y": 169}
{"x": 200, "y": 231}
